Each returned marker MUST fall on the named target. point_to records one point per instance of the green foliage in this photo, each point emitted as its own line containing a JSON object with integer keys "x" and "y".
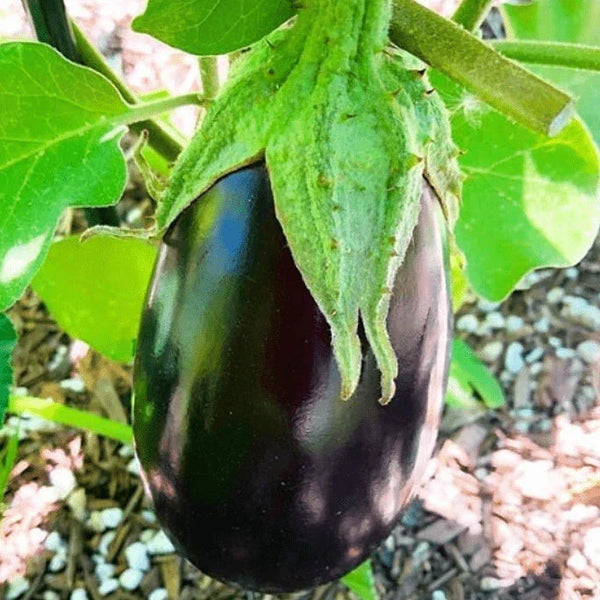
{"x": 95, "y": 290}
{"x": 58, "y": 147}
{"x": 346, "y": 141}
{"x": 470, "y": 380}
{"x": 528, "y": 201}
{"x": 362, "y": 582}
{"x": 576, "y": 21}
{"x": 7, "y": 462}
{"x": 209, "y": 27}
{"x": 8, "y": 339}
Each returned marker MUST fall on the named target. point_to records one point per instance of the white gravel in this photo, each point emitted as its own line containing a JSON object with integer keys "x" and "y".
{"x": 137, "y": 556}
{"x": 555, "y": 295}
{"x": 491, "y": 351}
{"x": 130, "y": 579}
{"x": 73, "y": 384}
{"x": 105, "y": 542}
{"x": 467, "y": 323}
{"x": 58, "y": 562}
{"x": 514, "y": 323}
{"x": 589, "y": 351}
{"x": 95, "y": 522}
{"x": 112, "y": 517}
{"x": 16, "y": 587}
{"x": 158, "y": 594}
{"x": 513, "y": 360}
{"x": 79, "y": 594}
{"x": 108, "y": 586}
{"x": 104, "y": 571}
{"x": 160, "y": 544}
{"x": 63, "y": 481}
{"x": 54, "y": 542}
{"x": 577, "y": 310}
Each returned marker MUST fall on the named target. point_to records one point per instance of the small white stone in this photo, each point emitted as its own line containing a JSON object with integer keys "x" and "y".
{"x": 130, "y": 579}
{"x": 79, "y": 594}
{"x": 591, "y": 546}
{"x": 112, "y": 517}
{"x": 513, "y": 360}
{"x": 577, "y": 562}
{"x": 486, "y": 306}
{"x": 555, "y": 295}
{"x": 148, "y": 516}
{"x": 572, "y": 273}
{"x": 438, "y": 595}
{"x": 495, "y": 320}
{"x": 555, "y": 342}
{"x": 95, "y": 522}
{"x": 137, "y": 556}
{"x": 147, "y": 535}
{"x": 514, "y": 323}
{"x": 578, "y": 311}
{"x": 50, "y": 595}
{"x": 467, "y": 323}
{"x": 160, "y": 544}
{"x": 54, "y": 542}
{"x": 158, "y": 594}
{"x": 76, "y": 502}
{"x": 565, "y": 353}
{"x": 73, "y": 384}
{"x": 133, "y": 467}
{"x": 105, "y": 542}
{"x": 98, "y": 559}
{"x": 489, "y": 584}
{"x": 491, "y": 351}
{"x": 534, "y": 355}
{"x": 536, "y": 368}
{"x": 58, "y": 562}
{"x": 542, "y": 326}
{"x": 16, "y": 587}
{"x": 126, "y": 450}
{"x": 104, "y": 571}
{"x": 589, "y": 351}
{"x": 108, "y": 586}
{"x": 63, "y": 481}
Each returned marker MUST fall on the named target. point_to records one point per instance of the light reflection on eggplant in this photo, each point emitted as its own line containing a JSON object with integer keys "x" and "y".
{"x": 261, "y": 475}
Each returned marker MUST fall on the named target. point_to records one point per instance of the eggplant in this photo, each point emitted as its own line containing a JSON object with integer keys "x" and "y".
{"x": 260, "y": 474}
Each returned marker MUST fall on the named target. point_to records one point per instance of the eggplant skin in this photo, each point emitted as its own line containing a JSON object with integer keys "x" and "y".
{"x": 259, "y": 473}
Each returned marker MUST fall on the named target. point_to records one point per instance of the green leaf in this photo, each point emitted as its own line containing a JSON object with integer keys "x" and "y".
{"x": 95, "y": 290}
{"x": 362, "y": 582}
{"x": 59, "y": 147}
{"x": 7, "y": 462}
{"x": 470, "y": 378}
{"x": 528, "y": 201}
{"x": 8, "y": 339}
{"x": 209, "y": 27}
{"x": 575, "y": 21}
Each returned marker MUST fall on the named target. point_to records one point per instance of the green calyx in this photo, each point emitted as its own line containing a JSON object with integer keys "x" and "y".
{"x": 348, "y": 128}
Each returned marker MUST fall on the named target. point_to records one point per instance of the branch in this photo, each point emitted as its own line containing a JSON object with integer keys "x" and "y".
{"x": 558, "y": 54}
{"x": 503, "y": 84}
{"x": 471, "y": 13}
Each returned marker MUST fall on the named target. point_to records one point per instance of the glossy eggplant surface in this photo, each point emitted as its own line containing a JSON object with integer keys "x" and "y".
{"x": 257, "y": 470}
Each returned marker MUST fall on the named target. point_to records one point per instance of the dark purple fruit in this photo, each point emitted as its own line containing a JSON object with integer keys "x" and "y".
{"x": 258, "y": 471}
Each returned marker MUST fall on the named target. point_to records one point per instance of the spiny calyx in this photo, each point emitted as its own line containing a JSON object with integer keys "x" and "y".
{"x": 348, "y": 129}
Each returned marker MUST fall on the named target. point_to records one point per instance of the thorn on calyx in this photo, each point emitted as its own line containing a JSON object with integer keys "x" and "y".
{"x": 271, "y": 71}
{"x": 323, "y": 181}
{"x": 334, "y": 244}
{"x": 429, "y": 91}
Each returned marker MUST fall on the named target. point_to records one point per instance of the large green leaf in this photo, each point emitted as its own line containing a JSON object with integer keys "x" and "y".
{"x": 59, "y": 147}
{"x": 362, "y": 582}
{"x": 95, "y": 290}
{"x": 8, "y": 339}
{"x": 470, "y": 379}
{"x": 575, "y": 21}
{"x": 209, "y": 27}
{"x": 528, "y": 201}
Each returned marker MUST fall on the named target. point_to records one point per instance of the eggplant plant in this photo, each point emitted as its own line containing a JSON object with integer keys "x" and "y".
{"x": 289, "y": 311}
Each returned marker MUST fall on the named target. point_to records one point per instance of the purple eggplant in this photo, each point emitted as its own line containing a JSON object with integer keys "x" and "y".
{"x": 260, "y": 474}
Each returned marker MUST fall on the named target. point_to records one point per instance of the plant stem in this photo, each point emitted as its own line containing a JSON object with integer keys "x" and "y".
{"x": 471, "y": 13}
{"x": 143, "y": 112}
{"x": 209, "y": 74}
{"x": 164, "y": 143}
{"x": 503, "y": 84}
{"x": 72, "y": 417}
{"x": 574, "y": 56}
